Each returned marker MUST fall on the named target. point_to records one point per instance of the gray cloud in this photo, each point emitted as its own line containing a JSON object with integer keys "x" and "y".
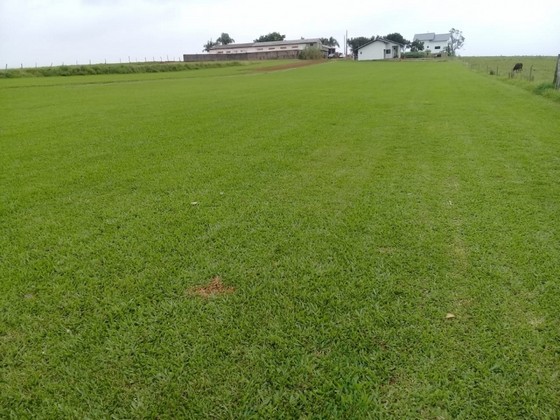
{"x": 45, "y": 31}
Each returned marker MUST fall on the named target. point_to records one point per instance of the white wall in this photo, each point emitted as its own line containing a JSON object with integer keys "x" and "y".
{"x": 376, "y": 51}
{"x": 431, "y": 45}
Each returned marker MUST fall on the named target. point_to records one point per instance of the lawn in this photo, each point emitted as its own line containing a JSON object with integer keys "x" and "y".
{"x": 340, "y": 240}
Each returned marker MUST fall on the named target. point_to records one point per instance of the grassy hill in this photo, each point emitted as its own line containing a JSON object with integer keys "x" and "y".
{"x": 347, "y": 239}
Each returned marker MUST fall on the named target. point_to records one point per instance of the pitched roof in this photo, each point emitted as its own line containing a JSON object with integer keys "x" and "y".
{"x": 441, "y": 37}
{"x": 431, "y": 36}
{"x": 267, "y": 44}
{"x": 384, "y": 40}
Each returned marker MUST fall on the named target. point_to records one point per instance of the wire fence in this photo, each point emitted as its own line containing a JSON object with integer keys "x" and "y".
{"x": 127, "y": 60}
{"x": 534, "y": 70}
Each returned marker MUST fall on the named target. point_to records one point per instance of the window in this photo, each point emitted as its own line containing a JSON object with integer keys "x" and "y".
{"x": 437, "y": 48}
{"x": 260, "y": 49}
{"x": 271, "y": 48}
{"x": 283, "y": 48}
{"x": 387, "y": 51}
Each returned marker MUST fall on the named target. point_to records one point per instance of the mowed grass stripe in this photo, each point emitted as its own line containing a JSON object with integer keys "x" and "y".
{"x": 350, "y": 205}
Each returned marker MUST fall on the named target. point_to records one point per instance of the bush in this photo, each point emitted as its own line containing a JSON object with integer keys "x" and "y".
{"x": 311, "y": 53}
{"x": 414, "y": 54}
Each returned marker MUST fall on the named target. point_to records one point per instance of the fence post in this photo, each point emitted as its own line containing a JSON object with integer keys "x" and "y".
{"x": 557, "y": 74}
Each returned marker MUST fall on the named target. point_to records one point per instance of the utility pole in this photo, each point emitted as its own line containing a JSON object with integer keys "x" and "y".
{"x": 557, "y": 74}
{"x": 346, "y": 44}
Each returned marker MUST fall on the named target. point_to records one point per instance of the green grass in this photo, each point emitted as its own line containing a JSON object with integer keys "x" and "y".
{"x": 97, "y": 69}
{"x": 351, "y": 206}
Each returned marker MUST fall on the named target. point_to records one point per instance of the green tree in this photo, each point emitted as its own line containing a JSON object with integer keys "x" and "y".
{"x": 273, "y": 36}
{"x": 417, "y": 45}
{"x": 456, "y": 41}
{"x": 330, "y": 42}
{"x": 398, "y": 38}
{"x": 225, "y": 39}
{"x": 209, "y": 45}
{"x": 355, "y": 43}
{"x": 311, "y": 53}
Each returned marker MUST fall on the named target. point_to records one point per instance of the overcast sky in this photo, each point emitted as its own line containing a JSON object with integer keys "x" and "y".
{"x": 68, "y": 31}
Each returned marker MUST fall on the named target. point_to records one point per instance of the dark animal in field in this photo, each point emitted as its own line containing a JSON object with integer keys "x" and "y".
{"x": 518, "y": 67}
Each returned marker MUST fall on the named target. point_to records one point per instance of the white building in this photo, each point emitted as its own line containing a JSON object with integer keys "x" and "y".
{"x": 436, "y": 43}
{"x": 264, "y": 47}
{"x": 380, "y": 49}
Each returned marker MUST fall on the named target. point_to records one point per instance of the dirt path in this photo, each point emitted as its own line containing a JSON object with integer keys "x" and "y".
{"x": 292, "y": 65}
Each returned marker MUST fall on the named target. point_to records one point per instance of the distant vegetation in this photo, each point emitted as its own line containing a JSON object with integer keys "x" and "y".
{"x": 223, "y": 39}
{"x": 84, "y": 70}
{"x": 311, "y": 53}
{"x": 273, "y": 36}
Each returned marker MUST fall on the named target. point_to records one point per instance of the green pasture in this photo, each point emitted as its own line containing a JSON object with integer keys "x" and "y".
{"x": 537, "y": 75}
{"x": 538, "y": 69}
{"x": 387, "y": 235}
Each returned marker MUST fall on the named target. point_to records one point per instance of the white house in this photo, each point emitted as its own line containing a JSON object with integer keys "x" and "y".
{"x": 379, "y": 49}
{"x": 436, "y": 43}
{"x": 264, "y": 47}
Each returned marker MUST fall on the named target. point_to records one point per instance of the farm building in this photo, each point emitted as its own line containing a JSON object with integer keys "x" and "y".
{"x": 379, "y": 49}
{"x": 258, "y": 50}
{"x": 436, "y": 43}
{"x": 260, "y": 47}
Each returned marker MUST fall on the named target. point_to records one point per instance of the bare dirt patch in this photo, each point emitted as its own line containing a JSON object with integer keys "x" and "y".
{"x": 288, "y": 66}
{"x": 214, "y": 288}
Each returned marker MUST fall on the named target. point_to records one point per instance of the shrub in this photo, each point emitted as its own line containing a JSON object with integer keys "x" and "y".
{"x": 311, "y": 53}
{"x": 414, "y": 54}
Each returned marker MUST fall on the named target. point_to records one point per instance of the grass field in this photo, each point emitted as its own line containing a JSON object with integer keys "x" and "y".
{"x": 341, "y": 240}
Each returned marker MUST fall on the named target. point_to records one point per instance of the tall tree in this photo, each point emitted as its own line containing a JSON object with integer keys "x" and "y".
{"x": 330, "y": 42}
{"x": 209, "y": 45}
{"x": 355, "y": 43}
{"x": 456, "y": 41}
{"x": 398, "y": 38}
{"x": 416, "y": 45}
{"x": 225, "y": 39}
{"x": 273, "y": 36}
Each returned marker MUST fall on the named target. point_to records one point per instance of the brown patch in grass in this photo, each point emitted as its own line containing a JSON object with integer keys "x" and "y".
{"x": 287, "y": 66}
{"x": 214, "y": 288}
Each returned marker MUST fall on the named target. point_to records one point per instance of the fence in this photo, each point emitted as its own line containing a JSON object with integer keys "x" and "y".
{"x": 536, "y": 69}
{"x": 557, "y": 74}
